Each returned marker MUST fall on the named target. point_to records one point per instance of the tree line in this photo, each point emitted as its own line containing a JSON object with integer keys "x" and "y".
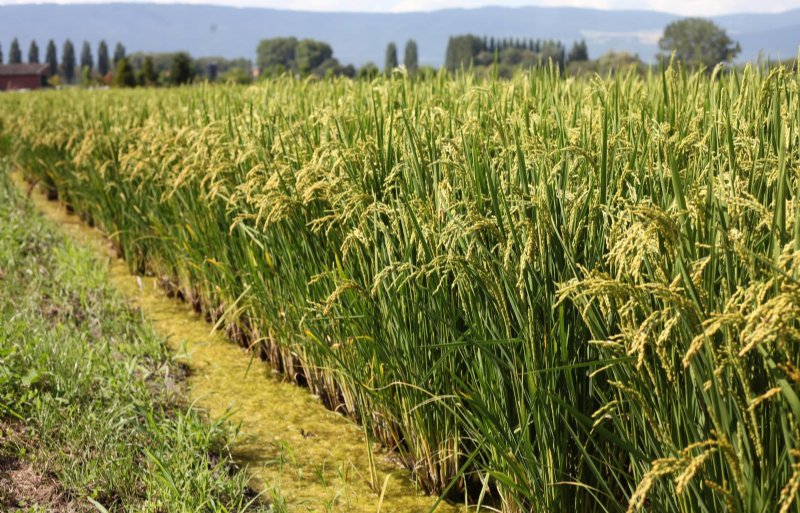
{"x": 66, "y": 66}
{"x": 694, "y": 42}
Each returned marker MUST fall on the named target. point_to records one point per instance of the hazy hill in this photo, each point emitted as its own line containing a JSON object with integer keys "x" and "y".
{"x": 360, "y": 37}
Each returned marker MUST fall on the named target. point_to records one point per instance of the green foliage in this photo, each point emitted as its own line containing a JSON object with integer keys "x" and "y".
{"x": 509, "y": 55}
{"x": 1, "y": 54}
{"x": 103, "y": 65}
{"x": 68, "y": 61}
{"x": 277, "y": 52}
{"x": 610, "y": 62}
{"x": 33, "y": 53}
{"x": 368, "y": 71}
{"x": 236, "y": 75}
{"x": 280, "y": 55}
{"x": 124, "y": 75}
{"x": 390, "y": 63}
{"x": 461, "y": 51}
{"x": 579, "y": 52}
{"x": 92, "y": 389}
{"x": 697, "y": 42}
{"x": 51, "y": 58}
{"x": 14, "y": 53}
{"x": 311, "y": 54}
{"x": 119, "y": 53}
{"x": 182, "y": 69}
{"x": 147, "y": 73}
{"x": 87, "y": 61}
{"x": 410, "y": 57}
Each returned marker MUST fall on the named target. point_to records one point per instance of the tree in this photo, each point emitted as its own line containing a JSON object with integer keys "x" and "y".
{"x": 698, "y": 42}
{"x": 51, "y": 58}
{"x": 68, "y": 61}
{"x": 181, "y": 70}
{"x": 277, "y": 52}
{"x": 310, "y": 54}
{"x": 462, "y": 50}
{"x": 1, "y": 54}
{"x": 236, "y": 75}
{"x": 147, "y": 75}
{"x": 102, "y": 58}
{"x": 410, "y": 58}
{"x": 123, "y": 74}
{"x": 579, "y": 52}
{"x": 391, "y": 59}
{"x": 87, "y": 61}
{"x": 14, "y": 54}
{"x": 33, "y": 53}
{"x": 368, "y": 71}
{"x": 119, "y": 53}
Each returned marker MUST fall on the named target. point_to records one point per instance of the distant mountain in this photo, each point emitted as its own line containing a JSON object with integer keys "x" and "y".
{"x": 357, "y": 38}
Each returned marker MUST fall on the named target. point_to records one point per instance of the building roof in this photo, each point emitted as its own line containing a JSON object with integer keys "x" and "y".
{"x": 7, "y": 70}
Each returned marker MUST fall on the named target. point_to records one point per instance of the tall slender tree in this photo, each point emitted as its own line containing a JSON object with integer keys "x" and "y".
{"x": 33, "y": 53}
{"x": 102, "y": 58}
{"x": 410, "y": 59}
{"x": 87, "y": 61}
{"x": 68, "y": 61}
{"x": 1, "y": 54}
{"x": 119, "y": 53}
{"x": 14, "y": 54}
{"x": 391, "y": 59}
{"x": 51, "y": 58}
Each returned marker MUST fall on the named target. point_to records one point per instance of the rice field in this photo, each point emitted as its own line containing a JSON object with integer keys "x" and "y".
{"x": 546, "y": 294}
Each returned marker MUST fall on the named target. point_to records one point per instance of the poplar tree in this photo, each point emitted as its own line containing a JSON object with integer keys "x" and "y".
{"x": 119, "y": 53}
{"x": 33, "y": 53}
{"x": 51, "y": 58}
{"x": 391, "y": 59}
{"x": 410, "y": 59}
{"x": 68, "y": 61}
{"x": 102, "y": 58}
{"x": 86, "y": 57}
{"x": 14, "y": 54}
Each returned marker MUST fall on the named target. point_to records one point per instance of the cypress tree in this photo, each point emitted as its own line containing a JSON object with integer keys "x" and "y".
{"x": 68, "y": 61}
{"x": 391, "y": 59}
{"x": 51, "y": 58}
{"x": 33, "y": 53}
{"x": 102, "y": 58}
{"x": 119, "y": 53}
{"x": 1, "y": 54}
{"x": 410, "y": 59}
{"x": 14, "y": 54}
{"x": 86, "y": 57}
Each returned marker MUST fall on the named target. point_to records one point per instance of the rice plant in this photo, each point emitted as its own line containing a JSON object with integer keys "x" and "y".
{"x": 548, "y": 294}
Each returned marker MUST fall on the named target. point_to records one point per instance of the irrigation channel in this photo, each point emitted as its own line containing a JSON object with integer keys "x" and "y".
{"x": 292, "y": 446}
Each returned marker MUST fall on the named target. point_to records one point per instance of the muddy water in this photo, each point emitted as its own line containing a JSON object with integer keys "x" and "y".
{"x": 293, "y": 447}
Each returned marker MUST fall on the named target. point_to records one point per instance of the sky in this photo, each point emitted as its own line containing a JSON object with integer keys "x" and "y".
{"x": 684, "y": 7}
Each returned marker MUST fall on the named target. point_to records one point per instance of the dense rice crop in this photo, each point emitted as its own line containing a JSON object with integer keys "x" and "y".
{"x": 572, "y": 295}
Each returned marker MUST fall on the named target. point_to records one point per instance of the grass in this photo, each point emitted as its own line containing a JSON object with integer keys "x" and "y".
{"x": 90, "y": 403}
{"x": 558, "y": 294}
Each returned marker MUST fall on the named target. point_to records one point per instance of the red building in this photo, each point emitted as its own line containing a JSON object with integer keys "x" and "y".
{"x": 23, "y": 76}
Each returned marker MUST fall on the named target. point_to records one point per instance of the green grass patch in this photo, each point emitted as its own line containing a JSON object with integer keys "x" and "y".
{"x": 90, "y": 403}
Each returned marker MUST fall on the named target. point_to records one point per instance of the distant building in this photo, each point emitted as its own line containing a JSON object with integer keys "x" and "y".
{"x": 23, "y": 76}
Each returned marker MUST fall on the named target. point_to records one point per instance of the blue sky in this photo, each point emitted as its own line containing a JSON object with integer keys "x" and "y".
{"x": 685, "y": 7}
